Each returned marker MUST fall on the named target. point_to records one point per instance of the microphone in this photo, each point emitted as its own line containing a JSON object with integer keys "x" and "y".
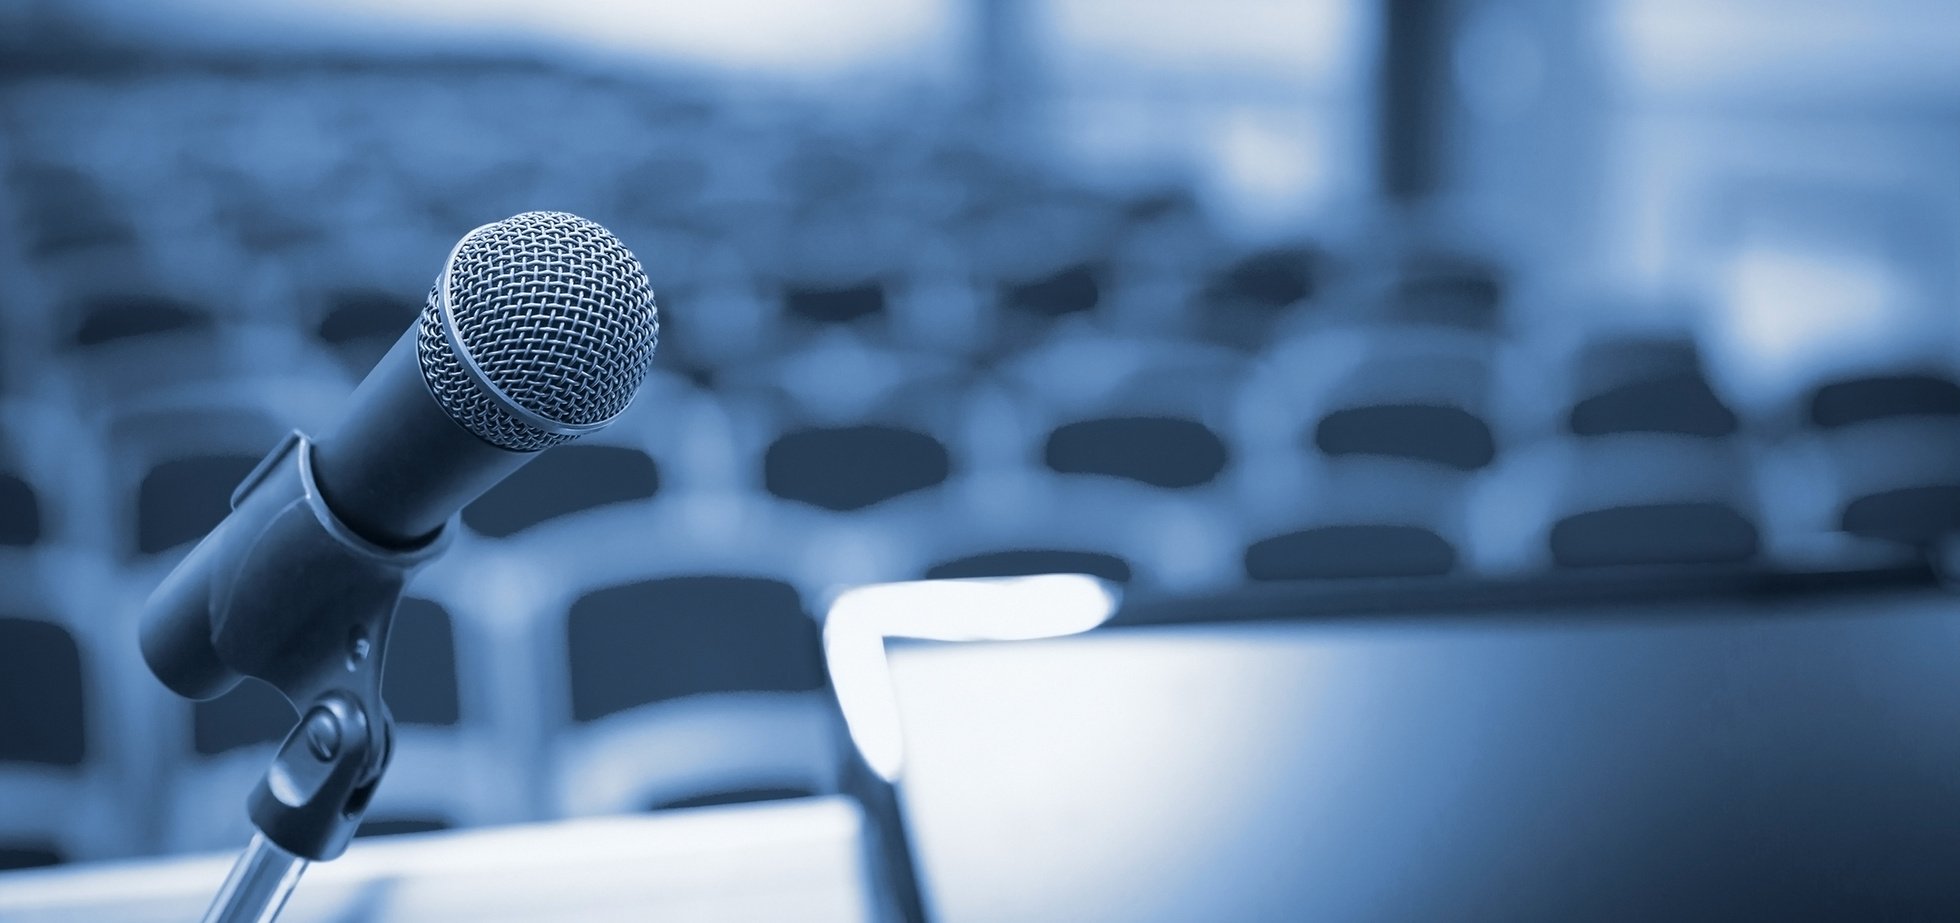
{"x": 539, "y": 329}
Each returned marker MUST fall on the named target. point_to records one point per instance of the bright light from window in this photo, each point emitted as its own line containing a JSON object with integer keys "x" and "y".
{"x": 1310, "y": 41}
{"x": 1792, "y": 313}
{"x": 780, "y": 36}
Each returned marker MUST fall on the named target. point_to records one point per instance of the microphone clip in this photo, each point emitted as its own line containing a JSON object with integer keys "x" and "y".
{"x": 285, "y": 592}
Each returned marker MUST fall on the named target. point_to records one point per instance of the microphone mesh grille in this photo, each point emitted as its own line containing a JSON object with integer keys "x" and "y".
{"x": 557, "y": 314}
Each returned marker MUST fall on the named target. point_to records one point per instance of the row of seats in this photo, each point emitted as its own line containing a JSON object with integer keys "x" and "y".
{"x": 590, "y": 690}
{"x": 668, "y": 691}
{"x": 332, "y": 187}
{"x": 1401, "y": 430}
{"x": 588, "y": 577}
{"x": 713, "y": 329}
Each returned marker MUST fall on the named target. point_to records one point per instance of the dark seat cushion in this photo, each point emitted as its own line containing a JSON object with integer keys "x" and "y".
{"x": 663, "y": 639}
{"x": 20, "y": 512}
{"x": 1159, "y": 451}
{"x": 853, "y": 467}
{"x": 1446, "y": 435}
{"x": 252, "y": 713}
{"x": 182, "y": 499}
{"x": 418, "y": 680}
{"x": 29, "y": 856}
{"x": 1916, "y": 515}
{"x": 65, "y": 209}
{"x": 1844, "y": 403}
{"x": 1663, "y": 533}
{"x": 42, "y": 694}
{"x": 1350, "y": 551}
{"x": 836, "y": 305}
{"x": 107, "y": 320}
{"x": 1271, "y": 278}
{"x": 360, "y": 325}
{"x": 1682, "y": 404}
{"x": 561, "y": 481}
{"x": 1067, "y": 291}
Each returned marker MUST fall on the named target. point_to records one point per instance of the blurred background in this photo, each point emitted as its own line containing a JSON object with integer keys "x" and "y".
{"x": 1184, "y": 296}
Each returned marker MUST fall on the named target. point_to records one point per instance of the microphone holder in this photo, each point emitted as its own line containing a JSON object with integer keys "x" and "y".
{"x": 285, "y": 592}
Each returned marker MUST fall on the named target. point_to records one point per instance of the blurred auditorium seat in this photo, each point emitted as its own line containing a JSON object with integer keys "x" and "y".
{"x": 841, "y": 254}
{"x": 441, "y": 750}
{"x": 126, "y": 346}
{"x": 59, "y": 790}
{"x": 1003, "y": 525}
{"x": 1366, "y": 467}
{"x": 175, "y": 454}
{"x": 690, "y": 689}
{"x": 1367, "y": 517}
{"x": 1423, "y": 407}
{"x": 1656, "y": 473}
{"x": 937, "y": 304}
{"x": 1161, "y": 258}
{"x": 1002, "y": 514}
{"x": 73, "y": 225}
{"x": 1893, "y": 444}
{"x": 1160, "y": 451}
{"x": 1047, "y": 252}
{"x": 1647, "y": 385}
{"x": 1649, "y": 499}
{"x": 259, "y": 217}
{"x": 40, "y": 476}
{"x": 67, "y": 661}
{"x": 1099, "y": 453}
{"x": 359, "y": 325}
{"x": 653, "y": 651}
{"x": 1142, "y": 411}
{"x": 173, "y": 469}
{"x": 561, "y": 481}
{"x": 729, "y": 318}
{"x": 228, "y": 743}
{"x": 1249, "y": 301}
{"x": 1448, "y": 289}
{"x": 847, "y": 468}
{"x": 122, "y": 343}
{"x": 1066, "y": 290}
{"x": 616, "y": 470}
{"x": 20, "y": 512}
{"x": 854, "y": 424}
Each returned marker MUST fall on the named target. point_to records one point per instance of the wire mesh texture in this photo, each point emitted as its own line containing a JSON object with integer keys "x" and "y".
{"x": 556, "y": 314}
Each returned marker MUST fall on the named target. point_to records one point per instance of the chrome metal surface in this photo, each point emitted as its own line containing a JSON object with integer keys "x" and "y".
{"x": 258, "y": 885}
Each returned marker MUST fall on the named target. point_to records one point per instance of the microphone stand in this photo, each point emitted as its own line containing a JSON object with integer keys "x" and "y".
{"x": 259, "y": 883}
{"x": 284, "y": 591}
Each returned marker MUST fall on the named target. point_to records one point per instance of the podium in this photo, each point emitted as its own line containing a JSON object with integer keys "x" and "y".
{"x": 799, "y": 859}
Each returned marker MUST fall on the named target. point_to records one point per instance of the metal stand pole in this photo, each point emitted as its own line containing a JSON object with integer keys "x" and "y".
{"x": 258, "y": 885}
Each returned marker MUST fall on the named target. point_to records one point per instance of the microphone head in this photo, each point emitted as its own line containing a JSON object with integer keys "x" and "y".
{"x": 539, "y": 329}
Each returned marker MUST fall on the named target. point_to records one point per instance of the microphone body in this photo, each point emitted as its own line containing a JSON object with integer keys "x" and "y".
{"x": 397, "y": 466}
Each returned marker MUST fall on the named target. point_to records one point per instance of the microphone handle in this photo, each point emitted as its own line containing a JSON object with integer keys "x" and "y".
{"x": 397, "y": 466}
